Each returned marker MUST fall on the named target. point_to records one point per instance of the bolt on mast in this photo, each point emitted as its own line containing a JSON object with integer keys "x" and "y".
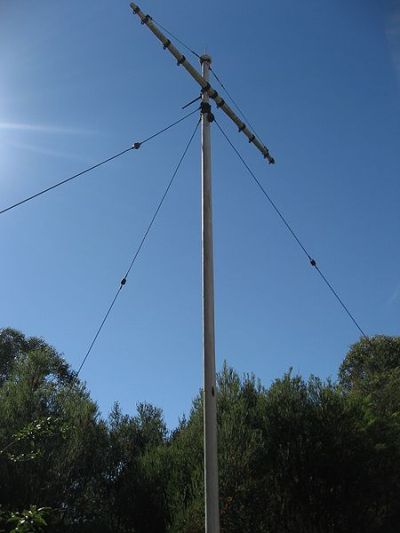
{"x": 209, "y": 389}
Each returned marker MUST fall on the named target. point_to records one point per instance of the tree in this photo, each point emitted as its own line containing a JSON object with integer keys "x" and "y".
{"x": 370, "y": 373}
{"x": 304, "y": 456}
{"x": 300, "y": 456}
{"x": 14, "y": 346}
{"x": 48, "y": 429}
{"x": 372, "y": 368}
{"x": 133, "y": 485}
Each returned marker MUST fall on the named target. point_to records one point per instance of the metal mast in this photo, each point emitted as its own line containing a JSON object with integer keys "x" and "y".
{"x": 209, "y": 389}
{"x": 209, "y": 393}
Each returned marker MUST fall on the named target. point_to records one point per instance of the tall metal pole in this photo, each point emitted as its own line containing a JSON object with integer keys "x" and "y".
{"x": 209, "y": 393}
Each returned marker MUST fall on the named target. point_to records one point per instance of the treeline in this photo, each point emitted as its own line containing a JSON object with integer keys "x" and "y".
{"x": 306, "y": 456}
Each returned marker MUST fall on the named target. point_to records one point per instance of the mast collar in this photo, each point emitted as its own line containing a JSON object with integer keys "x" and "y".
{"x": 205, "y": 58}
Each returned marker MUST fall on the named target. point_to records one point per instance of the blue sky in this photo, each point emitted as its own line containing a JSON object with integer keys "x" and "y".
{"x": 81, "y": 81}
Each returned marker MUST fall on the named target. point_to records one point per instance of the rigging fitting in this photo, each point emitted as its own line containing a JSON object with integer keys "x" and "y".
{"x": 205, "y": 109}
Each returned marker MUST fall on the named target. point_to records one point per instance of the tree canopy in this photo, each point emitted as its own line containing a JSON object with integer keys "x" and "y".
{"x": 303, "y": 455}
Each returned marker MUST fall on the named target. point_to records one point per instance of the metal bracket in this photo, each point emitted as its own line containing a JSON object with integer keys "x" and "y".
{"x": 205, "y": 109}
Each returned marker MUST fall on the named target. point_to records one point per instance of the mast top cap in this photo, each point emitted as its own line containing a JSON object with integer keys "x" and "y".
{"x": 205, "y": 58}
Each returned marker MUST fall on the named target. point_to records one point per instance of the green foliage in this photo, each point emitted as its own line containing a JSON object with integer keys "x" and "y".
{"x": 302, "y": 456}
{"x": 29, "y": 521}
{"x": 371, "y": 363}
{"x": 33, "y": 436}
{"x": 49, "y": 432}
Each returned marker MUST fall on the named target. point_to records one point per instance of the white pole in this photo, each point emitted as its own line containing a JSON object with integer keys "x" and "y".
{"x": 209, "y": 394}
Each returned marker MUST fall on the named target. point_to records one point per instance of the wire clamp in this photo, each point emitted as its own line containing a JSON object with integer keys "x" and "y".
{"x": 268, "y": 156}
{"x": 242, "y": 127}
{"x": 220, "y": 103}
{"x": 136, "y": 146}
{"x": 313, "y": 262}
{"x": 166, "y": 44}
{"x": 206, "y": 88}
{"x": 181, "y": 60}
{"x": 205, "y": 109}
{"x": 123, "y": 281}
{"x": 146, "y": 19}
{"x": 252, "y": 138}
